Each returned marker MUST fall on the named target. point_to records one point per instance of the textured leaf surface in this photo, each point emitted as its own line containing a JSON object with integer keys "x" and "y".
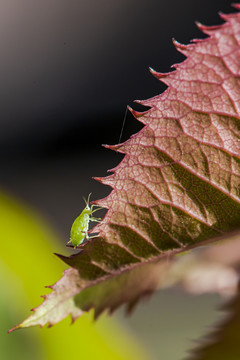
{"x": 177, "y": 186}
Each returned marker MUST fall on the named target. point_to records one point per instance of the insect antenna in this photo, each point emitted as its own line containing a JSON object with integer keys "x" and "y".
{"x": 124, "y": 120}
{"x": 87, "y": 201}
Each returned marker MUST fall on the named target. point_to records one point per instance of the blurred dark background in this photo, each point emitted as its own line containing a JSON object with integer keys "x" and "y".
{"x": 68, "y": 69}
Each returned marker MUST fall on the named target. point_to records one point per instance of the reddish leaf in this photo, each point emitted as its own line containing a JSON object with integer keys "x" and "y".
{"x": 177, "y": 186}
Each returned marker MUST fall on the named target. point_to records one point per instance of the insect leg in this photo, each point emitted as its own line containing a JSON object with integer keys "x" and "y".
{"x": 95, "y": 219}
{"x": 98, "y": 208}
{"x": 92, "y": 237}
{"x": 86, "y": 235}
{"x": 83, "y": 232}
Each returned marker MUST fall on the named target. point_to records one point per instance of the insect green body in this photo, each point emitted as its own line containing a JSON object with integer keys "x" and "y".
{"x": 79, "y": 230}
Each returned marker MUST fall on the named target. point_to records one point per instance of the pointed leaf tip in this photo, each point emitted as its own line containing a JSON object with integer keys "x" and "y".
{"x": 13, "y": 329}
{"x": 135, "y": 113}
{"x": 106, "y": 146}
{"x": 199, "y": 24}
{"x": 224, "y": 16}
{"x": 98, "y": 178}
{"x": 202, "y": 27}
{"x": 236, "y": 5}
{"x": 178, "y": 45}
{"x": 112, "y": 147}
{"x": 206, "y": 29}
{"x": 157, "y": 74}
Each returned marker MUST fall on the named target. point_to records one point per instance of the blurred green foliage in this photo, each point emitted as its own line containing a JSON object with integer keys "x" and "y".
{"x": 27, "y": 264}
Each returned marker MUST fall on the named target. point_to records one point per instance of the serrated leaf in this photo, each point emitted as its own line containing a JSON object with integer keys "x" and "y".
{"x": 72, "y": 295}
{"x": 177, "y": 186}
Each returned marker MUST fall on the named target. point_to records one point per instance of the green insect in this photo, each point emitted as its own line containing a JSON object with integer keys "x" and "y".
{"x": 79, "y": 230}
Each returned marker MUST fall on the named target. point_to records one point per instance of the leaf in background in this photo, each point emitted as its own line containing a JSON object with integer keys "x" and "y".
{"x": 177, "y": 186}
{"x": 223, "y": 342}
{"x": 25, "y": 266}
